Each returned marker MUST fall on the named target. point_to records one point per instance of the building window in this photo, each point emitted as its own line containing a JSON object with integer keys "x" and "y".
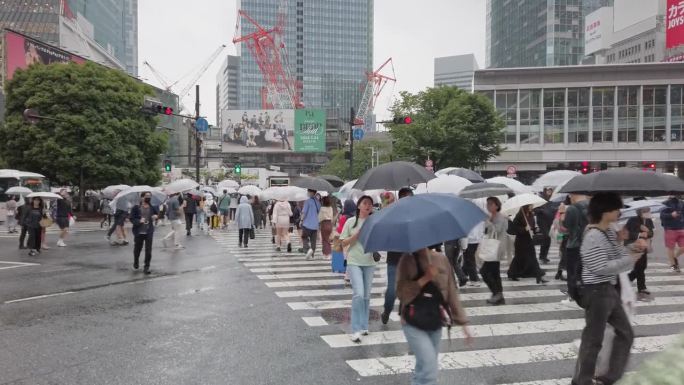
{"x": 677, "y": 105}
{"x": 655, "y": 111}
{"x": 506, "y": 104}
{"x": 530, "y": 125}
{"x": 628, "y": 114}
{"x": 578, "y": 115}
{"x": 554, "y": 115}
{"x": 603, "y": 101}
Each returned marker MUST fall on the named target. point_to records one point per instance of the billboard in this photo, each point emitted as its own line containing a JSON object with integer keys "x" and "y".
{"x": 598, "y": 28}
{"x": 273, "y": 131}
{"x": 22, "y": 51}
{"x": 674, "y": 23}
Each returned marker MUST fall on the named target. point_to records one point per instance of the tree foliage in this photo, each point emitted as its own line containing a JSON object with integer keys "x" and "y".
{"x": 339, "y": 166}
{"x": 98, "y": 131}
{"x": 456, "y": 128}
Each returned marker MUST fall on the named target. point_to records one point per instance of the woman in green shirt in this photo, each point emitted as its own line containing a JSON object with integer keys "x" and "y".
{"x": 360, "y": 266}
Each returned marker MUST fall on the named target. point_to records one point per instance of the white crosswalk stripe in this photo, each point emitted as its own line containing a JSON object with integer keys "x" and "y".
{"x": 534, "y": 328}
{"x": 85, "y": 227}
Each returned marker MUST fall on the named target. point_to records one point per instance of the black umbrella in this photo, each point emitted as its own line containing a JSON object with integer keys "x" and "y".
{"x": 626, "y": 181}
{"x": 467, "y": 174}
{"x": 484, "y": 190}
{"x": 393, "y": 176}
{"x": 334, "y": 180}
{"x": 312, "y": 183}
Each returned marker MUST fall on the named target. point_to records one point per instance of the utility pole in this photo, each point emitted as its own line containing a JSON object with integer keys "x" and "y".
{"x": 197, "y": 135}
{"x": 352, "y": 116}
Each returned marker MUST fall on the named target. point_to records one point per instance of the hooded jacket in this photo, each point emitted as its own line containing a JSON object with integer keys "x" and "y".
{"x": 244, "y": 214}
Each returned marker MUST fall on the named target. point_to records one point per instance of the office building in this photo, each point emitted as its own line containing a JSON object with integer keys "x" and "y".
{"x": 631, "y": 31}
{"x": 329, "y": 46}
{"x": 537, "y": 33}
{"x": 605, "y": 115}
{"x": 227, "y": 86}
{"x": 455, "y": 71}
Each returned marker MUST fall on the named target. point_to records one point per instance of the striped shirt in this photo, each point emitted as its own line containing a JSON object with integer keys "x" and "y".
{"x": 603, "y": 257}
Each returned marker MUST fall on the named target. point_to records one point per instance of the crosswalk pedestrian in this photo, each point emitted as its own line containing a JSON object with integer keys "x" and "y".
{"x": 532, "y": 340}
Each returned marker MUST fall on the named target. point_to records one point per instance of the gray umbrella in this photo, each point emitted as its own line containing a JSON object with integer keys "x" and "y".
{"x": 626, "y": 181}
{"x": 334, "y": 180}
{"x": 311, "y": 183}
{"x": 484, "y": 190}
{"x": 467, "y": 174}
{"x": 393, "y": 176}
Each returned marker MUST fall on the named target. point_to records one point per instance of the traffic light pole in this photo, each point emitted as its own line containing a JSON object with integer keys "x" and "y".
{"x": 352, "y": 115}
{"x": 197, "y": 135}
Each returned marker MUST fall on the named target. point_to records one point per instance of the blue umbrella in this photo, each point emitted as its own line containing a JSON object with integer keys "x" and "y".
{"x": 419, "y": 221}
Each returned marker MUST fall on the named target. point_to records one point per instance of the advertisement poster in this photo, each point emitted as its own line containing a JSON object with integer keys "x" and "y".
{"x": 674, "y": 23}
{"x": 257, "y": 131}
{"x": 21, "y": 51}
{"x": 309, "y": 127}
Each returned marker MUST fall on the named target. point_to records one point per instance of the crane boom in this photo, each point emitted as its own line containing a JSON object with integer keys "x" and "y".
{"x": 202, "y": 70}
{"x": 375, "y": 84}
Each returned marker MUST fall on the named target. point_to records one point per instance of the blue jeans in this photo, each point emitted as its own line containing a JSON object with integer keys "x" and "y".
{"x": 391, "y": 293}
{"x": 425, "y": 346}
{"x": 361, "y": 280}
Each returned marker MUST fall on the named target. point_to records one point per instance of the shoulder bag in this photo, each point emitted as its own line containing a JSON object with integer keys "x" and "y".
{"x": 488, "y": 249}
{"x": 428, "y": 311}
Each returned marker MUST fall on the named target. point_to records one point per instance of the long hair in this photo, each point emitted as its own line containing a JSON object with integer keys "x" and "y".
{"x": 358, "y": 209}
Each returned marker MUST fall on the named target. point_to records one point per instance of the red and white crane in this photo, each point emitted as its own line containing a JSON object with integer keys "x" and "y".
{"x": 268, "y": 49}
{"x": 374, "y": 86}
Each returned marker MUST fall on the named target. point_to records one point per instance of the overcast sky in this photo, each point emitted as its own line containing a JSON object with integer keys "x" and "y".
{"x": 178, "y": 36}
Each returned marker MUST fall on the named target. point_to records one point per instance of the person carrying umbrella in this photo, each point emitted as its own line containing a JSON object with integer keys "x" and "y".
{"x": 174, "y": 213}
{"x": 360, "y": 266}
{"x": 640, "y": 227}
{"x": 575, "y": 222}
{"x": 143, "y": 216}
{"x": 310, "y": 224}
{"x": 190, "y": 209}
{"x": 282, "y": 212}
{"x": 496, "y": 227}
{"x": 524, "y": 264}
{"x": 258, "y": 210}
{"x": 245, "y": 221}
{"x": 106, "y": 212}
{"x": 325, "y": 223}
{"x": 62, "y": 215}
{"x": 544, "y": 216}
{"x": 11, "y": 207}
{"x": 224, "y": 208}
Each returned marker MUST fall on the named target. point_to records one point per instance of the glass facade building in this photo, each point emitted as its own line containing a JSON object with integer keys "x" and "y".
{"x": 537, "y": 33}
{"x": 329, "y": 46}
{"x": 610, "y": 115}
{"x": 36, "y": 18}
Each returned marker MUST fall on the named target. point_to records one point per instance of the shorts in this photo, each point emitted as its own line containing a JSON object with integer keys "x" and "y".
{"x": 223, "y": 212}
{"x": 674, "y": 238}
{"x": 62, "y": 222}
{"x": 119, "y": 219}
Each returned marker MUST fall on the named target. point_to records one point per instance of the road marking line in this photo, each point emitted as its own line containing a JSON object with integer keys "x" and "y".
{"x": 315, "y": 321}
{"x": 502, "y": 329}
{"x": 300, "y": 275}
{"x": 39, "y": 297}
{"x": 287, "y": 263}
{"x": 144, "y": 280}
{"x": 494, "y": 357}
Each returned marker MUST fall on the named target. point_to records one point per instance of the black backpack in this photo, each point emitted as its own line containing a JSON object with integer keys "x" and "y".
{"x": 428, "y": 311}
{"x": 575, "y": 288}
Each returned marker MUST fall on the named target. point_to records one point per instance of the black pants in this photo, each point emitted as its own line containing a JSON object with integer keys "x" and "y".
{"x": 309, "y": 238}
{"x": 562, "y": 264}
{"x": 106, "y": 218}
{"x": 491, "y": 275}
{"x": 188, "y": 221}
{"x": 469, "y": 266}
{"x": 243, "y": 236}
{"x": 603, "y": 306}
{"x": 544, "y": 250}
{"x": 638, "y": 272}
{"x": 35, "y": 238}
{"x": 572, "y": 259}
{"x": 452, "y": 251}
{"x": 22, "y": 236}
{"x": 137, "y": 248}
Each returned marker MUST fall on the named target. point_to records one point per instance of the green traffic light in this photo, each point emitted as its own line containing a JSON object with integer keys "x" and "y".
{"x": 237, "y": 169}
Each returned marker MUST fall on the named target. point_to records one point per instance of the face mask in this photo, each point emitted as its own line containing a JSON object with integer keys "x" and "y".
{"x": 148, "y": 200}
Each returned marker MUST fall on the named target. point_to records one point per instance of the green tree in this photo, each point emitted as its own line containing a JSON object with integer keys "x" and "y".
{"x": 452, "y": 126}
{"x": 96, "y": 134}
{"x": 363, "y": 155}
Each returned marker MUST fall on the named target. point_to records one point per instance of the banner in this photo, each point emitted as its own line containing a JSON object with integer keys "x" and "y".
{"x": 22, "y": 51}
{"x": 257, "y": 131}
{"x": 309, "y": 130}
{"x": 674, "y": 23}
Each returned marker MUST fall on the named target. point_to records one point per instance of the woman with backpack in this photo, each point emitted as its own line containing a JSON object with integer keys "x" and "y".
{"x": 524, "y": 263}
{"x": 427, "y": 271}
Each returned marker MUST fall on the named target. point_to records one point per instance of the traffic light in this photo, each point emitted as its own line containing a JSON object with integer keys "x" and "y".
{"x": 152, "y": 106}
{"x": 237, "y": 168}
{"x": 649, "y": 166}
{"x": 402, "y": 120}
{"x": 165, "y": 110}
{"x": 167, "y": 165}
{"x": 585, "y": 167}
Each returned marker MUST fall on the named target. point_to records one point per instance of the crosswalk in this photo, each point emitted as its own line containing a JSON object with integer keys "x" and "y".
{"x": 85, "y": 227}
{"x": 532, "y": 340}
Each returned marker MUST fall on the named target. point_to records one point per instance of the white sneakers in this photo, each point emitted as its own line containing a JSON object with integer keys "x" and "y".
{"x": 356, "y": 337}
{"x": 179, "y": 247}
{"x": 61, "y": 243}
{"x": 309, "y": 254}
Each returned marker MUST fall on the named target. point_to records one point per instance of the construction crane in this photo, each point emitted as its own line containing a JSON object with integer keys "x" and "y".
{"x": 268, "y": 49}
{"x": 375, "y": 84}
{"x": 196, "y": 74}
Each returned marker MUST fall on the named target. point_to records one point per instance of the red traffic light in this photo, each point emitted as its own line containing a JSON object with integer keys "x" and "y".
{"x": 402, "y": 120}
{"x": 407, "y": 120}
{"x": 585, "y": 170}
{"x": 168, "y": 111}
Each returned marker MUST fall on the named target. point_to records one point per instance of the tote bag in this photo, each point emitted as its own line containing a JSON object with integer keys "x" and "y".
{"x": 488, "y": 249}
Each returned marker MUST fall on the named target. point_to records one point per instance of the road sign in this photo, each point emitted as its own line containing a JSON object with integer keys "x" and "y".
{"x": 358, "y": 133}
{"x": 201, "y": 125}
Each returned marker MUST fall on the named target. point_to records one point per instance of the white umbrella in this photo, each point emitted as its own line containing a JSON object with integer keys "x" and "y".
{"x": 130, "y": 197}
{"x": 228, "y": 190}
{"x": 288, "y": 193}
{"x": 513, "y": 205}
{"x": 249, "y": 190}
{"x": 554, "y": 178}
{"x": 181, "y": 185}
{"x": 18, "y": 190}
{"x": 445, "y": 171}
{"x": 228, "y": 183}
{"x": 111, "y": 191}
{"x": 346, "y": 190}
{"x": 512, "y": 184}
{"x": 447, "y": 184}
{"x": 44, "y": 195}
{"x": 209, "y": 189}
